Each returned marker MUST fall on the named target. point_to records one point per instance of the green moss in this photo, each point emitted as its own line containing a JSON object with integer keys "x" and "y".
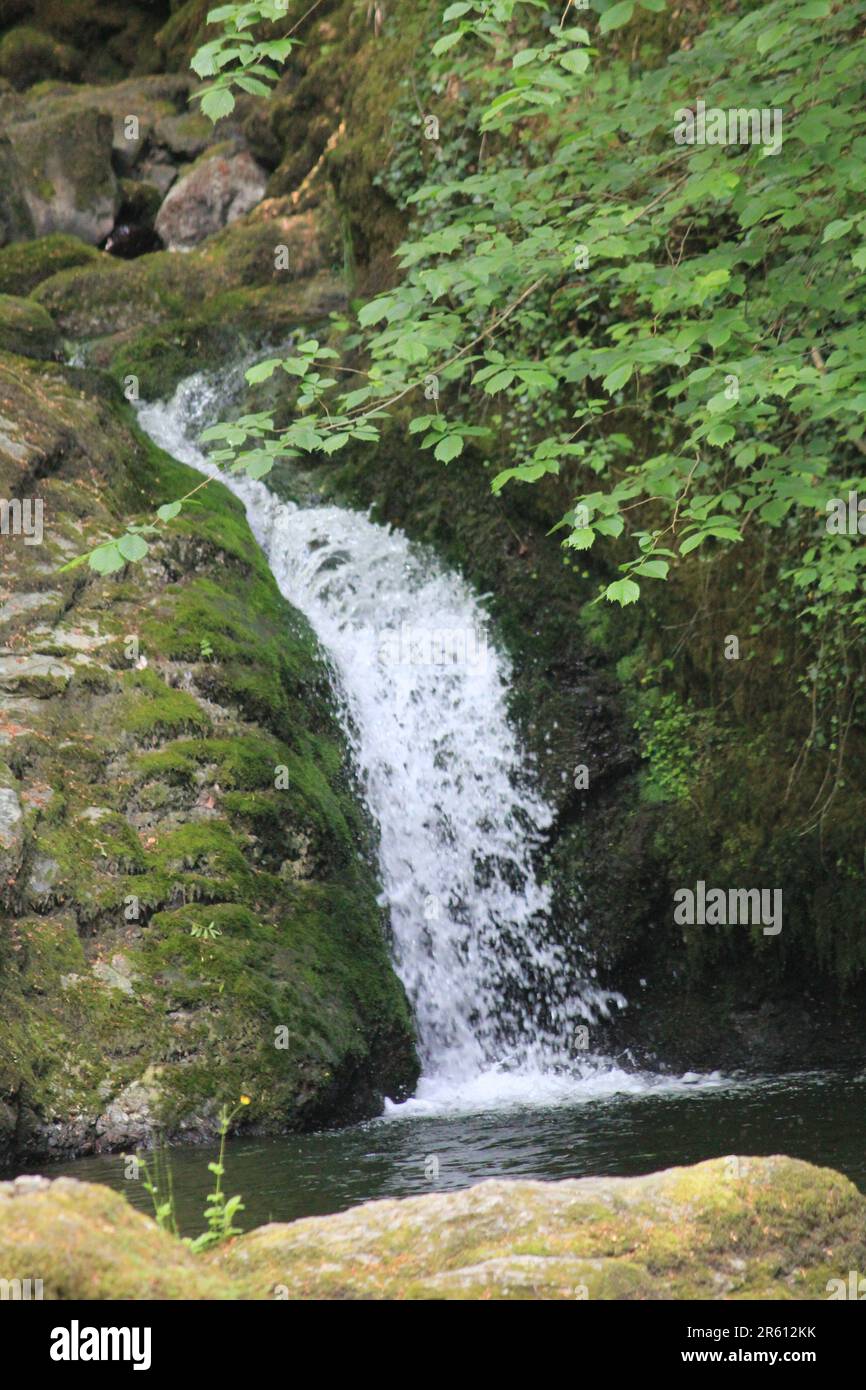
{"x": 152, "y": 710}
{"x": 26, "y": 329}
{"x": 162, "y": 812}
{"x": 25, "y": 264}
{"x": 28, "y": 56}
{"x": 85, "y": 1242}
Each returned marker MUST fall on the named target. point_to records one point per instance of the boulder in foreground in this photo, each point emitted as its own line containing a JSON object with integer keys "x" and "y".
{"x": 762, "y": 1228}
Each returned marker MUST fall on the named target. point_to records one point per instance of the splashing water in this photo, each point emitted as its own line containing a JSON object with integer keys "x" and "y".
{"x": 422, "y": 689}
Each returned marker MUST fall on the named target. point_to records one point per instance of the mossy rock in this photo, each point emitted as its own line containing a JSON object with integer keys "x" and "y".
{"x": 27, "y": 55}
{"x": 152, "y": 811}
{"x": 770, "y": 1229}
{"x": 68, "y": 179}
{"x": 112, "y": 37}
{"x": 95, "y": 1245}
{"x": 16, "y": 220}
{"x": 26, "y": 264}
{"x": 163, "y": 316}
{"x": 760, "y": 1228}
{"x": 27, "y": 329}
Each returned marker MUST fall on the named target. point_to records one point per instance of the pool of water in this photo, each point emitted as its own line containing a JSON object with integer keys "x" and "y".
{"x": 816, "y": 1116}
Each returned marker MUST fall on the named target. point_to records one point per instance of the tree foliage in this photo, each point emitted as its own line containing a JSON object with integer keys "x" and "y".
{"x": 674, "y": 329}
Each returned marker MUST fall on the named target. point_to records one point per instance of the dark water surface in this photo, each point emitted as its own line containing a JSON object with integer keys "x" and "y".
{"x": 816, "y": 1116}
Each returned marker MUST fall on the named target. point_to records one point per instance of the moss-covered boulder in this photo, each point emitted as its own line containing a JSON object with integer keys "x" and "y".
{"x": 68, "y": 180}
{"x": 27, "y": 329}
{"x": 734, "y": 1228}
{"x": 25, "y": 264}
{"x": 162, "y": 316}
{"x": 16, "y": 222}
{"x": 98, "y": 40}
{"x": 28, "y": 55}
{"x": 192, "y": 910}
{"x": 95, "y": 1245}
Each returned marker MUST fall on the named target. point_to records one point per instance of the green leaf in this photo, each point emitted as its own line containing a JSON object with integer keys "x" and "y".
{"x": 692, "y": 542}
{"x": 615, "y": 18}
{"x": 74, "y": 564}
{"x": 447, "y": 41}
{"x": 262, "y": 370}
{"x": 577, "y": 61}
{"x": 168, "y": 511}
{"x": 217, "y": 102}
{"x": 448, "y": 448}
{"x": 654, "y": 569}
{"x": 252, "y": 85}
{"x": 770, "y": 36}
{"x": 335, "y": 442}
{"x": 834, "y": 230}
{"x": 610, "y": 525}
{"x": 623, "y": 592}
{"x": 106, "y": 558}
{"x": 721, "y": 433}
{"x": 618, "y": 377}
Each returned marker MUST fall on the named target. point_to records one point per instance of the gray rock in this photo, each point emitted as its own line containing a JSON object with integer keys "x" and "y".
{"x": 214, "y": 193}
{"x": 11, "y": 833}
{"x": 33, "y": 675}
{"x": 118, "y": 974}
{"x": 158, "y": 171}
{"x": 16, "y": 223}
{"x": 67, "y": 175}
{"x": 43, "y": 873}
{"x": 16, "y": 604}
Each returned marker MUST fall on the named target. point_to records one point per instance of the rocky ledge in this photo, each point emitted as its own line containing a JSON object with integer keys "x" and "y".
{"x": 730, "y": 1228}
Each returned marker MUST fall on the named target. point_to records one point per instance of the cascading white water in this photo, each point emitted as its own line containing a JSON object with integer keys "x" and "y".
{"x": 423, "y": 692}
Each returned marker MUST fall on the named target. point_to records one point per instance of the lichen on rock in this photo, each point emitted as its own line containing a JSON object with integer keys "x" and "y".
{"x": 735, "y": 1228}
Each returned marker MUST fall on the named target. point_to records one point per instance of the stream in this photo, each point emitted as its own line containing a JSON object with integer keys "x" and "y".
{"x": 509, "y": 1086}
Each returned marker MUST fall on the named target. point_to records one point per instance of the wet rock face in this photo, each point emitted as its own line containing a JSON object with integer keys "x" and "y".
{"x": 16, "y": 222}
{"x": 735, "y": 1228}
{"x": 217, "y": 192}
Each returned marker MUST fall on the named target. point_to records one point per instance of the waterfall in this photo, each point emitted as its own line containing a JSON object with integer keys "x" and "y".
{"x": 501, "y": 1012}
